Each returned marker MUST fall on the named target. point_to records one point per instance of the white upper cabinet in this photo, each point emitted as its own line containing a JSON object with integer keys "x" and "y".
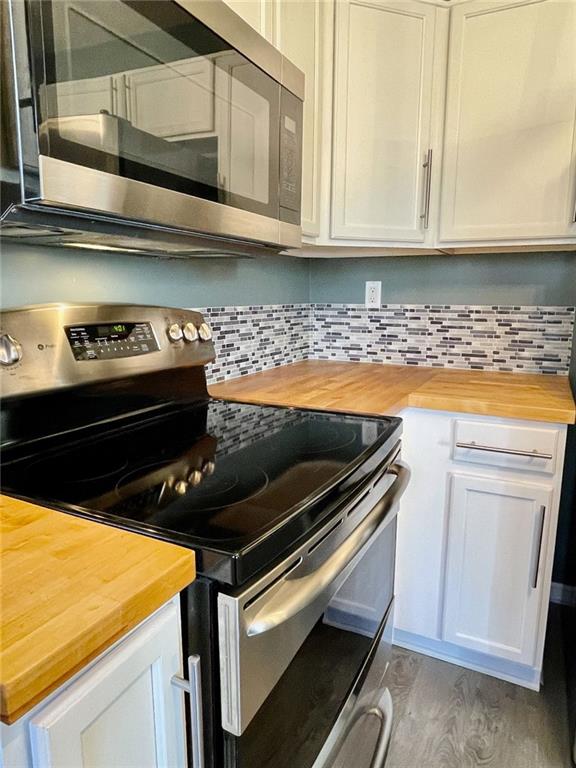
{"x": 258, "y": 13}
{"x": 383, "y": 118}
{"x": 302, "y": 31}
{"x": 172, "y": 101}
{"x": 497, "y": 544}
{"x": 509, "y": 164}
{"x": 242, "y": 119}
{"x": 84, "y": 97}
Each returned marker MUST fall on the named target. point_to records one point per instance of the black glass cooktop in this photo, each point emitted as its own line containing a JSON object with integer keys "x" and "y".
{"x": 238, "y": 482}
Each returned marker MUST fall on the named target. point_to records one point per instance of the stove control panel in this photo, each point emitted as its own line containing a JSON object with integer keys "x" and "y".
{"x": 110, "y": 341}
{"x": 53, "y": 346}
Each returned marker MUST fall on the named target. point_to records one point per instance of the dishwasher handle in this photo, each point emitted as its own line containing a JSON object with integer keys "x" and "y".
{"x": 296, "y": 594}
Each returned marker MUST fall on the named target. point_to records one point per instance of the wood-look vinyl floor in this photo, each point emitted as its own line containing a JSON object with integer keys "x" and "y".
{"x": 449, "y": 717}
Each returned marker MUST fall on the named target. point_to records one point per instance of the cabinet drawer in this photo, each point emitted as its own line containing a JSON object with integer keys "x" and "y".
{"x": 511, "y": 446}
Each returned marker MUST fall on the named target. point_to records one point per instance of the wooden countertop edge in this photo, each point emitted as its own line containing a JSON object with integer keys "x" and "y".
{"x": 181, "y": 573}
{"x": 426, "y": 401}
{"x": 460, "y": 404}
{"x": 414, "y": 396}
{"x": 143, "y": 591}
{"x": 392, "y": 410}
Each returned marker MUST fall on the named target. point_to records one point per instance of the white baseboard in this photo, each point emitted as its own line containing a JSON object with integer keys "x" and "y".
{"x": 512, "y": 672}
{"x": 563, "y": 594}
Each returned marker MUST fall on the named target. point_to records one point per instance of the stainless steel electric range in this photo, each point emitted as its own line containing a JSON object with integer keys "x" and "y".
{"x": 291, "y": 513}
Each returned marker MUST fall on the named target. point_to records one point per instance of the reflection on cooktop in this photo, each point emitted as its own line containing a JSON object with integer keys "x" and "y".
{"x": 218, "y": 471}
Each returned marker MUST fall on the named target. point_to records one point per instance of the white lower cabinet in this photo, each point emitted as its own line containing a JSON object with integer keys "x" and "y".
{"x": 476, "y": 540}
{"x": 122, "y": 712}
{"x": 497, "y": 532}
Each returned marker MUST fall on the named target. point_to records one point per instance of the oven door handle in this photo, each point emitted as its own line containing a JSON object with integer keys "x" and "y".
{"x": 294, "y": 595}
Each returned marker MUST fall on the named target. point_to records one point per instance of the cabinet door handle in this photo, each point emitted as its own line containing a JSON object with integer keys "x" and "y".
{"x": 113, "y": 97}
{"x": 509, "y": 451}
{"x": 539, "y": 552}
{"x": 427, "y": 165}
{"x": 193, "y": 688}
{"x": 127, "y": 98}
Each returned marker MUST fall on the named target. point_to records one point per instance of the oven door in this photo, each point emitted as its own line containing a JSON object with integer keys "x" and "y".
{"x": 303, "y": 652}
{"x": 143, "y": 111}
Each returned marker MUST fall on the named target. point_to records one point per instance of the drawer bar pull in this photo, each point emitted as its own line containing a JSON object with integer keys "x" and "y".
{"x": 509, "y": 451}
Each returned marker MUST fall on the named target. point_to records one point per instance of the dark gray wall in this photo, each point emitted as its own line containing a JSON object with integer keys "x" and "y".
{"x": 32, "y": 275}
{"x": 536, "y": 278}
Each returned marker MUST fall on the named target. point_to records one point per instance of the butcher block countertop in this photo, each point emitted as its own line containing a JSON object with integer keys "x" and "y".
{"x": 375, "y": 389}
{"x": 69, "y": 589}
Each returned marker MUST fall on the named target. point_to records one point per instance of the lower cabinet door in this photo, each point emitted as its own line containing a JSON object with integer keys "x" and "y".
{"x": 124, "y": 712}
{"x": 497, "y": 541}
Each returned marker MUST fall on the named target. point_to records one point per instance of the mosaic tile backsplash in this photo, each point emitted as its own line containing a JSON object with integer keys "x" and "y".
{"x": 497, "y": 338}
{"x": 521, "y": 339}
{"x": 253, "y": 338}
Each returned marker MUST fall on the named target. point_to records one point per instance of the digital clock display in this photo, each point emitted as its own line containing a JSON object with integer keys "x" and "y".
{"x": 112, "y": 341}
{"x": 112, "y": 330}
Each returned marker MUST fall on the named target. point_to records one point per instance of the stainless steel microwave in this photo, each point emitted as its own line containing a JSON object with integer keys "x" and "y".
{"x": 166, "y": 126}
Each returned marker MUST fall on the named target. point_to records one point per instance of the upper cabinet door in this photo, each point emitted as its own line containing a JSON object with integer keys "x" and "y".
{"x": 172, "y": 102}
{"x": 383, "y": 95}
{"x": 258, "y": 13}
{"x": 301, "y": 29}
{"x": 509, "y": 163}
{"x": 85, "y": 97}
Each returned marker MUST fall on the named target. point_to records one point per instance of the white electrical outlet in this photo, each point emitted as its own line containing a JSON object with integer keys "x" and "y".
{"x": 373, "y": 294}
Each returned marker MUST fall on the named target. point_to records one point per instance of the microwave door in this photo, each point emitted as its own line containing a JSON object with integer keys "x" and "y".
{"x": 148, "y": 94}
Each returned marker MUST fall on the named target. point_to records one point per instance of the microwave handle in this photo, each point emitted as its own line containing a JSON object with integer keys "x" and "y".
{"x": 295, "y": 595}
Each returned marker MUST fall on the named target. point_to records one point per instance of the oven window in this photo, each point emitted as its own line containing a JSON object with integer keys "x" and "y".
{"x": 293, "y": 725}
{"x": 141, "y": 89}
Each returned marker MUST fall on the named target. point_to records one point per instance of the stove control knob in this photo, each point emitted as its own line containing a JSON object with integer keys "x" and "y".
{"x": 10, "y": 350}
{"x": 190, "y": 332}
{"x": 175, "y": 332}
{"x": 205, "y": 332}
{"x": 181, "y": 487}
{"x": 195, "y": 478}
{"x": 208, "y": 468}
